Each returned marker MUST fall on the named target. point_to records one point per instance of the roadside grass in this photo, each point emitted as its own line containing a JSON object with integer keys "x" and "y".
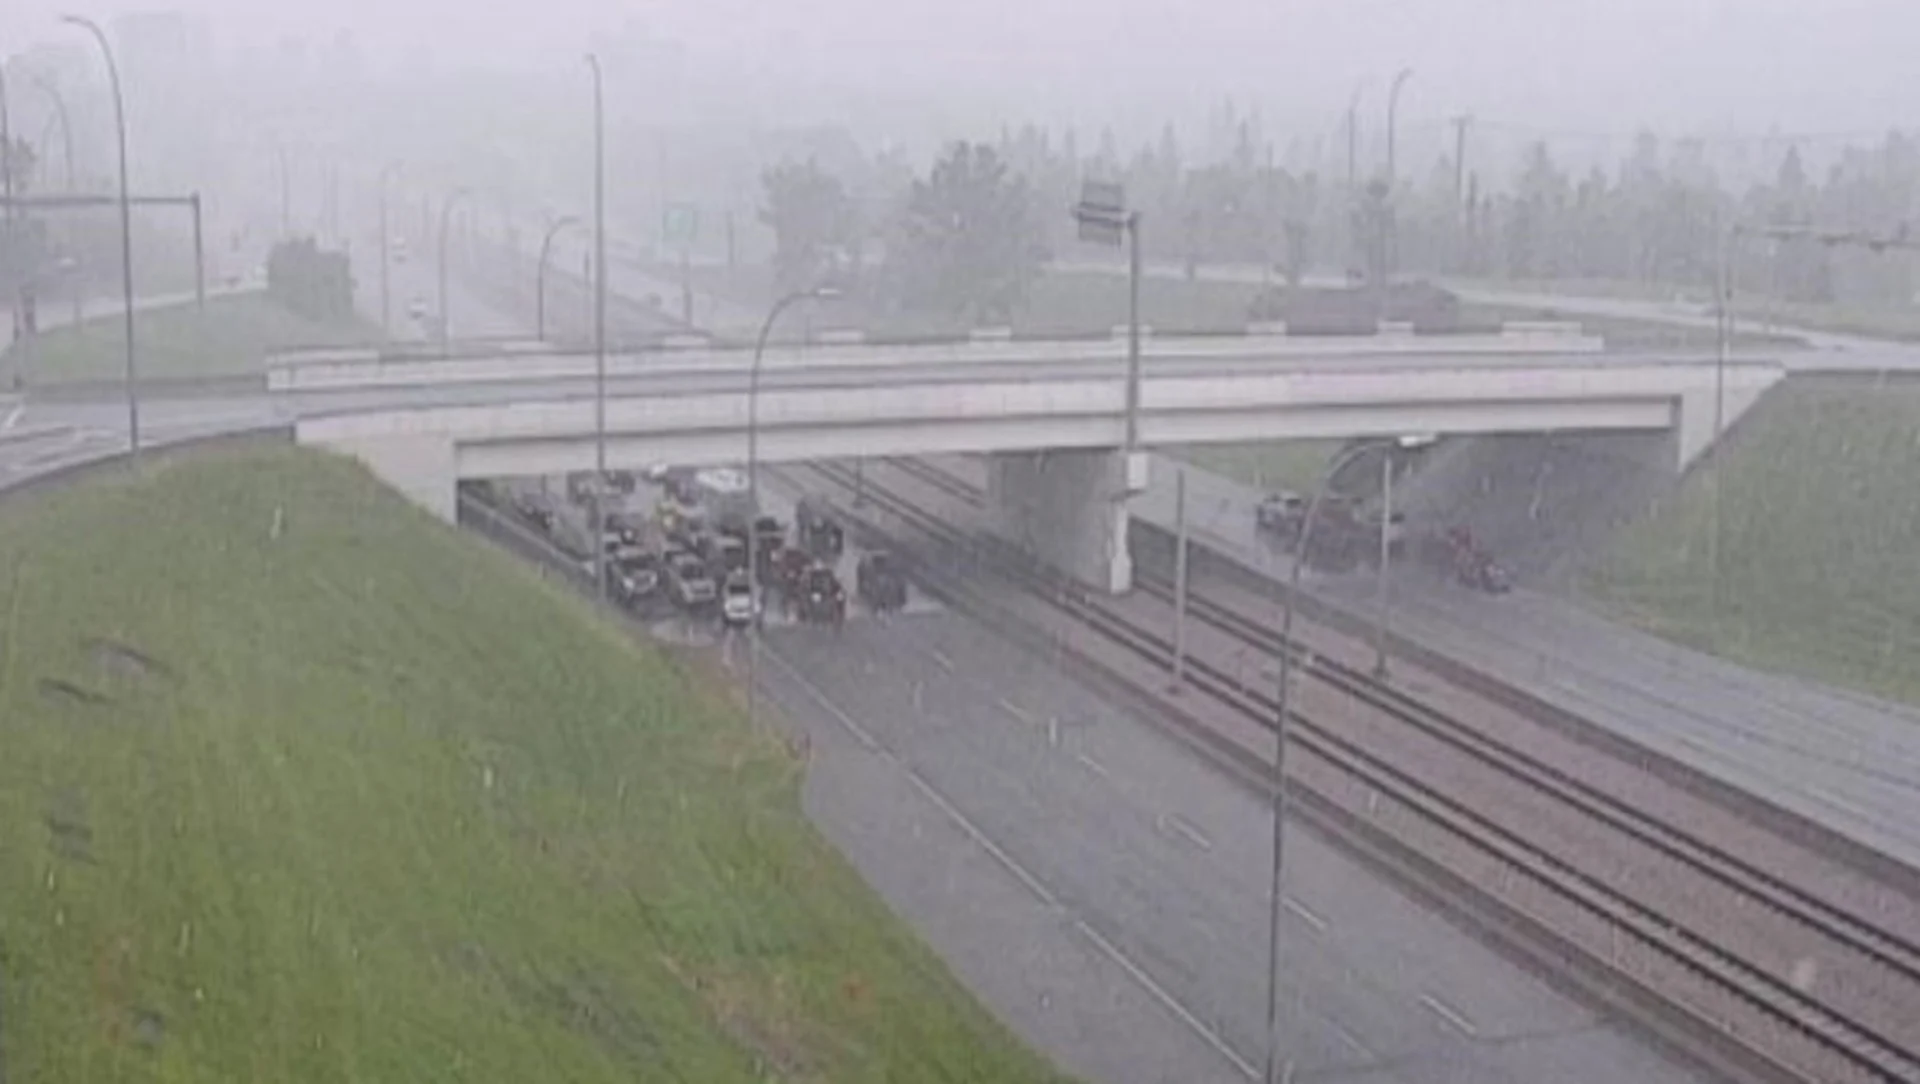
{"x": 232, "y": 338}
{"x": 1819, "y": 566}
{"x": 1868, "y": 321}
{"x": 298, "y": 784}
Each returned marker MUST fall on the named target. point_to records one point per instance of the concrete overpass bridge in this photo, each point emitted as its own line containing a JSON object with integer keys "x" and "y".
{"x": 1051, "y": 415}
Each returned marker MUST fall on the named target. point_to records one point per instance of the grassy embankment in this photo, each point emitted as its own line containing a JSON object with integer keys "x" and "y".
{"x": 298, "y": 784}
{"x": 231, "y": 338}
{"x": 1819, "y": 543}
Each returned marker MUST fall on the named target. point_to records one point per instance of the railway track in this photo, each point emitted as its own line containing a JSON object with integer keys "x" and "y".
{"x": 1771, "y": 1024}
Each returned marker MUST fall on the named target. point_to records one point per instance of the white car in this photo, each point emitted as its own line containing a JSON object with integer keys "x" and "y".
{"x": 737, "y": 607}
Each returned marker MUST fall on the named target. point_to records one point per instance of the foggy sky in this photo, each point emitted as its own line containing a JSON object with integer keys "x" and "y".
{"x": 1607, "y": 66}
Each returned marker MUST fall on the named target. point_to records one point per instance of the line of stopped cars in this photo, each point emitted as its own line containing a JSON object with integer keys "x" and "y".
{"x": 1347, "y": 533}
{"x": 691, "y": 550}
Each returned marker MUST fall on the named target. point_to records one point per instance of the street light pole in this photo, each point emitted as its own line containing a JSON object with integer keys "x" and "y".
{"x": 540, "y": 275}
{"x": 600, "y": 332}
{"x": 1384, "y": 588}
{"x": 66, "y": 124}
{"x": 286, "y": 190}
{"x": 1353, "y": 140}
{"x": 753, "y": 487}
{"x": 1393, "y": 109}
{"x": 386, "y": 255}
{"x": 446, "y": 216}
{"x": 1276, "y": 1070}
{"x": 126, "y": 226}
{"x": 1133, "y": 331}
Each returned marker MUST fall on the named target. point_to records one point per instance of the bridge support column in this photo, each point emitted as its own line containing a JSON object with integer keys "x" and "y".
{"x": 1068, "y": 508}
{"x": 422, "y": 468}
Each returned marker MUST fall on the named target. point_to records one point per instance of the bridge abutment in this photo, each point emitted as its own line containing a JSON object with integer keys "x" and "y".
{"x": 1069, "y": 509}
{"x": 422, "y": 467}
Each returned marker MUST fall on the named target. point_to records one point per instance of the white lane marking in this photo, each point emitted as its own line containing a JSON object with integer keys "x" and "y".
{"x": 1092, "y": 765}
{"x": 1032, "y": 883}
{"x": 13, "y": 416}
{"x": 1450, "y": 1014}
{"x": 942, "y": 661}
{"x": 1207, "y": 1034}
{"x": 1306, "y": 916}
{"x": 1353, "y": 1042}
{"x": 1017, "y": 712}
{"x": 1027, "y": 880}
{"x": 861, "y": 734}
{"x": 1175, "y": 823}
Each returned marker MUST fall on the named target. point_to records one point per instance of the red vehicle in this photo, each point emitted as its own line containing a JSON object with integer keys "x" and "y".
{"x": 1457, "y": 554}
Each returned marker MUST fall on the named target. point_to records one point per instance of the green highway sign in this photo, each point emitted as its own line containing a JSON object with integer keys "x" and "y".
{"x": 678, "y": 223}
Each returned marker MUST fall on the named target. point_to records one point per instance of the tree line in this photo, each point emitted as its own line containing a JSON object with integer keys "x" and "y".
{"x": 970, "y": 235}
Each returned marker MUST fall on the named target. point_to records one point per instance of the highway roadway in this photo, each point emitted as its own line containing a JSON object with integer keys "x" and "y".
{"x": 1846, "y": 760}
{"x": 1830, "y": 353}
{"x": 1104, "y": 891}
{"x": 1154, "y": 869}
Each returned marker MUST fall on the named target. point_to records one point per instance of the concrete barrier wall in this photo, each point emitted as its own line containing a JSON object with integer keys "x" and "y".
{"x": 335, "y": 370}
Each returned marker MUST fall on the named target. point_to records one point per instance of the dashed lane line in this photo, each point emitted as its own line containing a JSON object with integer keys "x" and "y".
{"x": 1454, "y": 1017}
{"x": 1180, "y": 826}
{"x": 1027, "y": 879}
{"x": 1017, "y": 712}
{"x": 1306, "y": 915}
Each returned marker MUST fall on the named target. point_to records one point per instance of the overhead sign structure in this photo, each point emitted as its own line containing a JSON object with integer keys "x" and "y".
{"x": 1102, "y": 212}
{"x": 679, "y": 222}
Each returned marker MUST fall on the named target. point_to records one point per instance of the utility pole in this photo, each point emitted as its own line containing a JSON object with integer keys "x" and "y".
{"x": 1460, "y": 124}
{"x": 1393, "y": 114}
{"x": 6, "y": 181}
{"x": 1460, "y": 211}
{"x": 1353, "y": 143}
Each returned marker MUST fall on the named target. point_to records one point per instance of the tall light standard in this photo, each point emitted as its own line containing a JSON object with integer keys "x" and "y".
{"x": 126, "y": 226}
{"x": 1275, "y": 1067}
{"x": 386, "y": 256}
{"x": 446, "y": 217}
{"x": 66, "y": 124}
{"x": 540, "y": 273}
{"x": 6, "y": 186}
{"x": 286, "y": 190}
{"x": 818, "y": 293}
{"x": 1393, "y": 108}
{"x": 599, "y": 330}
{"x": 6, "y": 142}
{"x": 1353, "y": 139}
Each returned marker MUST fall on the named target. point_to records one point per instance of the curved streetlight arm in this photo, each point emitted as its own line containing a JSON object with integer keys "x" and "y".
{"x": 386, "y": 241}
{"x": 1393, "y": 108}
{"x": 753, "y": 483}
{"x": 126, "y": 223}
{"x": 540, "y": 274}
{"x": 6, "y": 143}
{"x": 59, "y": 100}
{"x": 446, "y": 216}
{"x": 1303, "y": 536}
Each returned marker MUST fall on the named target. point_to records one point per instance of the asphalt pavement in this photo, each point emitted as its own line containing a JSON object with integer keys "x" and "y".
{"x": 1843, "y": 759}
{"x": 1106, "y": 892}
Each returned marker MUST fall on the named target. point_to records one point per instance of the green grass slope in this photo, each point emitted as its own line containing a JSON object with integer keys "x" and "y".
{"x": 231, "y": 338}
{"x": 1820, "y": 542}
{"x": 297, "y": 784}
